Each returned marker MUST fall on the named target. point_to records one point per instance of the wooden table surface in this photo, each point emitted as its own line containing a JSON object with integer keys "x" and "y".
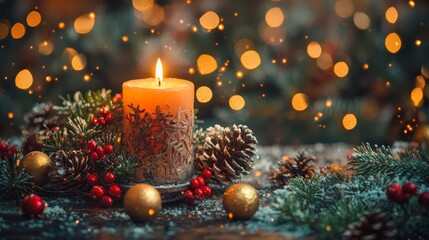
{"x": 71, "y": 217}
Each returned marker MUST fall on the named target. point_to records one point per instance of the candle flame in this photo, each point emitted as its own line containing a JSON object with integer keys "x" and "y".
{"x": 158, "y": 75}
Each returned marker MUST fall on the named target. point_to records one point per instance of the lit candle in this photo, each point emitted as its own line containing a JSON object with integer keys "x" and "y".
{"x": 158, "y": 127}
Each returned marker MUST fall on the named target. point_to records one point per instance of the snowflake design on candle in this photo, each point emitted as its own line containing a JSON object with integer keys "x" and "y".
{"x": 163, "y": 144}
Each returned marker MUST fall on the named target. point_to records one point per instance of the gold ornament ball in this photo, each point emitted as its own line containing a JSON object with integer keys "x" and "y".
{"x": 240, "y": 201}
{"x": 37, "y": 164}
{"x": 142, "y": 202}
{"x": 421, "y": 135}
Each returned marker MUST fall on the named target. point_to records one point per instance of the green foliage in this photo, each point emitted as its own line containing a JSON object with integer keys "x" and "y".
{"x": 328, "y": 204}
{"x": 369, "y": 161}
{"x": 14, "y": 181}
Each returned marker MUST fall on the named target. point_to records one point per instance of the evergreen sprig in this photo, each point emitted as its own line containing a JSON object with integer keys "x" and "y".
{"x": 381, "y": 160}
{"x": 14, "y": 181}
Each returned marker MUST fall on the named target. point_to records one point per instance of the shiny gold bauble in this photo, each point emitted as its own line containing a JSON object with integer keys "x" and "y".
{"x": 142, "y": 202}
{"x": 240, "y": 201}
{"x": 37, "y": 164}
{"x": 421, "y": 135}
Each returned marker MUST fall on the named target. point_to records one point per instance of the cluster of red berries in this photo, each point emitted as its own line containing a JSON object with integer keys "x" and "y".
{"x": 7, "y": 150}
{"x": 401, "y": 195}
{"x": 98, "y": 152}
{"x": 98, "y": 192}
{"x": 200, "y": 189}
{"x": 32, "y": 205}
{"x": 106, "y": 117}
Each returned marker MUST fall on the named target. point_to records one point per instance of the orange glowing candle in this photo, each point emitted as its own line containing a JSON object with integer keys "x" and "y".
{"x": 158, "y": 127}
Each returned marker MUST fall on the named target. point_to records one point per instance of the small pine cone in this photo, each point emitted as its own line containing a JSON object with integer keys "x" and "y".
{"x": 374, "y": 225}
{"x": 42, "y": 114}
{"x": 228, "y": 152}
{"x": 289, "y": 167}
{"x": 69, "y": 170}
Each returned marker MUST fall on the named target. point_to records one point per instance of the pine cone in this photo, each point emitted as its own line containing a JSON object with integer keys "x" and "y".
{"x": 69, "y": 170}
{"x": 228, "y": 152}
{"x": 374, "y": 225}
{"x": 300, "y": 166}
{"x": 41, "y": 114}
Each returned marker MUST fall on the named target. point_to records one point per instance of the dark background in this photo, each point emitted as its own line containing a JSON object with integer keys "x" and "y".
{"x": 372, "y": 94}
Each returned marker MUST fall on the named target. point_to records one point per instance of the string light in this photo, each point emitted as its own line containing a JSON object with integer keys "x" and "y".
{"x": 300, "y": 102}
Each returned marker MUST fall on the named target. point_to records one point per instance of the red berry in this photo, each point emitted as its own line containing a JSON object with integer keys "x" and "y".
{"x": 401, "y": 198}
{"x": 32, "y": 205}
{"x": 3, "y": 146}
{"x": 109, "y": 119}
{"x": 201, "y": 181}
{"x": 194, "y": 183}
{"x": 206, "y": 174}
{"x": 12, "y": 149}
{"x": 102, "y": 111}
{"x": 199, "y": 194}
{"x": 189, "y": 196}
{"x": 9, "y": 155}
{"x": 96, "y": 192}
{"x": 393, "y": 190}
{"x": 106, "y": 201}
{"x": 54, "y": 129}
{"x": 100, "y": 151}
{"x": 115, "y": 191}
{"x": 92, "y": 179}
{"x": 410, "y": 188}
{"x": 94, "y": 155}
{"x": 109, "y": 177}
{"x": 207, "y": 191}
{"x": 102, "y": 121}
{"x": 94, "y": 121}
{"x": 424, "y": 199}
{"x": 91, "y": 145}
{"x": 108, "y": 148}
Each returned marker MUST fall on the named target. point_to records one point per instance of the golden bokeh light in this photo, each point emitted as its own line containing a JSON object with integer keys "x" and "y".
{"x": 393, "y": 42}
{"x": 239, "y": 74}
{"x": 84, "y": 23}
{"x": 237, "y": 102}
{"x": 46, "y": 47}
{"x": 341, "y": 69}
{"x": 153, "y": 16}
{"x": 344, "y": 8}
{"x": 365, "y": 66}
{"x": 206, "y": 64}
{"x": 124, "y": 38}
{"x": 299, "y": 102}
{"x": 34, "y": 18}
{"x": 274, "y": 17}
{"x": 314, "y": 49}
{"x": 420, "y": 82}
{"x": 18, "y": 31}
{"x": 204, "y": 94}
{"x": 417, "y": 96}
{"x": 250, "y": 59}
{"x": 411, "y": 3}
{"x": 24, "y": 79}
{"x": 4, "y": 30}
{"x": 325, "y": 62}
{"x": 10, "y": 115}
{"x": 349, "y": 121}
{"x": 361, "y": 20}
{"x": 78, "y": 62}
{"x": 86, "y": 78}
{"x": 391, "y": 15}
{"x": 61, "y": 25}
{"x": 209, "y": 20}
{"x": 328, "y": 103}
{"x": 69, "y": 54}
{"x": 142, "y": 5}
{"x": 418, "y": 42}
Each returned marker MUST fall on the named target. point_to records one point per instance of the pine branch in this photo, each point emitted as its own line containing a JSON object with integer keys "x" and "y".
{"x": 14, "y": 181}
{"x": 369, "y": 161}
{"x": 307, "y": 191}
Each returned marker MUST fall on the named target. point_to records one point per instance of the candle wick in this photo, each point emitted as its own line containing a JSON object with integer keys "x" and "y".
{"x": 159, "y": 81}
